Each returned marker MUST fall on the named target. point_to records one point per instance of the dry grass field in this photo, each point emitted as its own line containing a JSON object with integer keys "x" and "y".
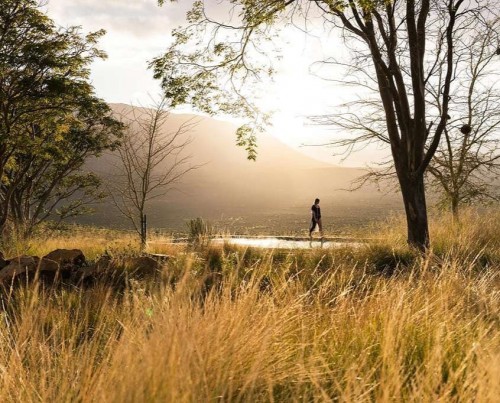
{"x": 377, "y": 323}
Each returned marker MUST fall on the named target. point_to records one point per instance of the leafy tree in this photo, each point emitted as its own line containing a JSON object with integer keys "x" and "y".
{"x": 47, "y": 177}
{"x": 50, "y": 119}
{"x": 214, "y": 64}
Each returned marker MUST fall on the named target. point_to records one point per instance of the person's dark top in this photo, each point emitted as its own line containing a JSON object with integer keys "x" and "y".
{"x": 316, "y": 212}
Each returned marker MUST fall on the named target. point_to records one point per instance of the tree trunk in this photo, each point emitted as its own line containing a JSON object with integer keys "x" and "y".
{"x": 413, "y": 191}
{"x": 454, "y": 208}
{"x": 143, "y": 231}
{"x": 4, "y": 214}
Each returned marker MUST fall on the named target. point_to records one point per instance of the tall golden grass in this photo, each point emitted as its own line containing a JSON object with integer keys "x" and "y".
{"x": 377, "y": 323}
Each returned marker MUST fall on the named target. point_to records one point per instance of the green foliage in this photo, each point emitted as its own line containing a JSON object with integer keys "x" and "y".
{"x": 218, "y": 77}
{"x": 52, "y": 119}
{"x": 222, "y": 66}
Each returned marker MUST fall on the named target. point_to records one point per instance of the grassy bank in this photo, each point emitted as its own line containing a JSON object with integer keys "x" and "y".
{"x": 377, "y": 323}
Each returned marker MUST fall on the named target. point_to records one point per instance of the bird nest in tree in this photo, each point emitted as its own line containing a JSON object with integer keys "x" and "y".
{"x": 466, "y": 129}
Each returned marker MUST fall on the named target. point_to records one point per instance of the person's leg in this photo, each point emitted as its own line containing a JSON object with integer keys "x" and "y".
{"x": 320, "y": 227}
{"x": 312, "y": 226}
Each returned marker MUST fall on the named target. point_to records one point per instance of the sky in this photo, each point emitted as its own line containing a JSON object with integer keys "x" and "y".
{"x": 139, "y": 30}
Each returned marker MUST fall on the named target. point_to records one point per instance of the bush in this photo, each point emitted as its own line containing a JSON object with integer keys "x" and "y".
{"x": 200, "y": 231}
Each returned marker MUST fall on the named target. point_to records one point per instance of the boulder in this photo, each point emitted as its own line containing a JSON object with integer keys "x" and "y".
{"x": 27, "y": 267}
{"x": 70, "y": 265}
{"x": 107, "y": 268}
{"x": 88, "y": 274}
{"x": 10, "y": 272}
{"x": 65, "y": 257}
{"x": 3, "y": 262}
{"x": 143, "y": 265}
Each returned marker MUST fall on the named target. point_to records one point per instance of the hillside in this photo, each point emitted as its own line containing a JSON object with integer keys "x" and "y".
{"x": 273, "y": 194}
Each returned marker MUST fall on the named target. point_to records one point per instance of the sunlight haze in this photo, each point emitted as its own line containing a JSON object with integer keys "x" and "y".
{"x": 139, "y": 31}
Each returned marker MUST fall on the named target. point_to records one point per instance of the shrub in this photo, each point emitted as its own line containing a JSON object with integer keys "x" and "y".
{"x": 200, "y": 231}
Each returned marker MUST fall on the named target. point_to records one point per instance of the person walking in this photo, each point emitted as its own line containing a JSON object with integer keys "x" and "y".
{"x": 315, "y": 221}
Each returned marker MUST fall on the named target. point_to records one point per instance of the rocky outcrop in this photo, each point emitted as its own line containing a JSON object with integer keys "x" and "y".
{"x": 71, "y": 257}
{"x": 28, "y": 268}
{"x": 107, "y": 268}
{"x": 70, "y": 266}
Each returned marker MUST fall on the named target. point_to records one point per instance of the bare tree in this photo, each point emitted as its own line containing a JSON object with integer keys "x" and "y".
{"x": 467, "y": 160}
{"x": 151, "y": 160}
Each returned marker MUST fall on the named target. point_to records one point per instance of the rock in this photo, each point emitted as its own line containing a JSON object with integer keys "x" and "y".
{"x": 87, "y": 275}
{"x": 141, "y": 266}
{"x": 24, "y": 261}
{"x": 16, "y": 266}
{"x": 103, "y": 263}
{"x": 27, "y": 267}
{"x": 64, "y": 257}
{"x": 3, "y": 262}
{"x": 70, "y": 265}
{"x": 119, "y": 269}
{"x": 49, "y": 265}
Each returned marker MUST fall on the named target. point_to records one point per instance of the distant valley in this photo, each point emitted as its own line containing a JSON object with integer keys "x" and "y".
{"x": 272, "y": 195}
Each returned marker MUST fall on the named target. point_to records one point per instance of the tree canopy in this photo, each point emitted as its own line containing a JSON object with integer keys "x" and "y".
{"x": 214, "y": 64}
{"x": 50, "y": 118}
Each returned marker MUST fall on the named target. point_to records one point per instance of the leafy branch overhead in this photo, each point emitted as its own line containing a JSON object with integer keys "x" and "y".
{"x": 225, "y": 74}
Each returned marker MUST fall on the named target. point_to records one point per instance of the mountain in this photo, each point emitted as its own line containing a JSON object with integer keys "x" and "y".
{"x": 273, "y": 194}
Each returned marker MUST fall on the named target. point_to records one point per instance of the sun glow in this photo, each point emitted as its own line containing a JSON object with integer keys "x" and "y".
{"x": 295, "y": 93}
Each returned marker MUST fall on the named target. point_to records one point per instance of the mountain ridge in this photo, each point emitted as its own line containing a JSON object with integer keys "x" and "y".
{"x": 273, "y": 193}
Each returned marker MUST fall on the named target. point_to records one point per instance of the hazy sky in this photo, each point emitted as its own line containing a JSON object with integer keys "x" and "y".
{"x": 138, "y": 30}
